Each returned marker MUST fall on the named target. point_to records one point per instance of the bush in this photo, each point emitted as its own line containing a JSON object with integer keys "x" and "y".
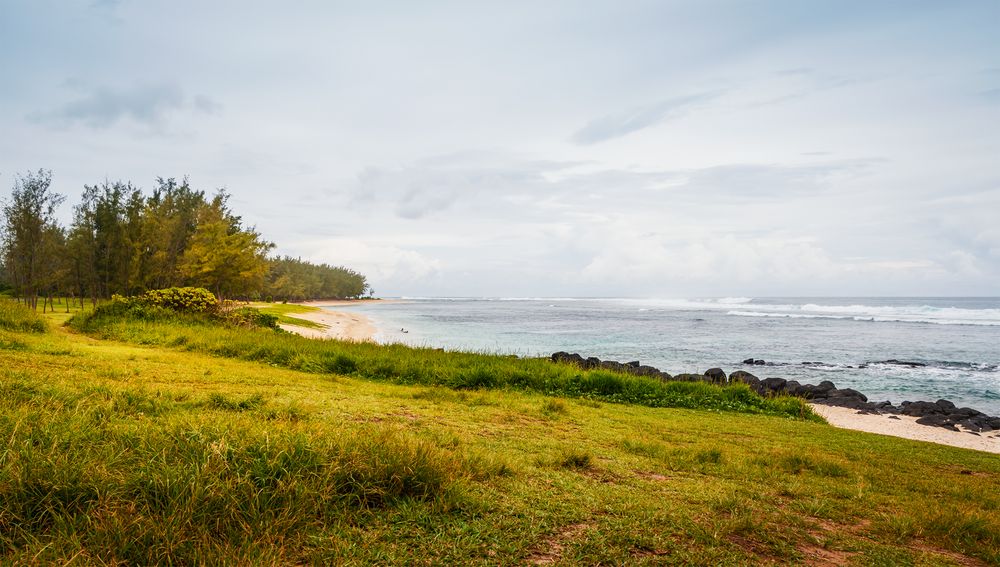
{"x": 181, "y": 299}
{"x": 248, "y": 317}
{"x": 19, "y": 318}
{"x": 189, "y": 304}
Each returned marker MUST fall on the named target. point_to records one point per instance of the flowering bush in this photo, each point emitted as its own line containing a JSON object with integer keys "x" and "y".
{"x": 184, "y": 299}
{"x": 168, "y": 303}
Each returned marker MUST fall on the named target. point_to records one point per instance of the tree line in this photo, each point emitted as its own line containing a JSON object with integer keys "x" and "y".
{"x": 123, "y": 241}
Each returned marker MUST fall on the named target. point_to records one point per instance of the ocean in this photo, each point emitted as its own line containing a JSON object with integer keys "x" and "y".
{"x": 844, "y": 340}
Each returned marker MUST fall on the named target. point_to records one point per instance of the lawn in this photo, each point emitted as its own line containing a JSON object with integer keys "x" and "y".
{"x": 143, "y": 453}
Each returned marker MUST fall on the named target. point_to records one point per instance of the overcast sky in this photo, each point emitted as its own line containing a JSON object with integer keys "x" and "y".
{"x": 614, "y": 148}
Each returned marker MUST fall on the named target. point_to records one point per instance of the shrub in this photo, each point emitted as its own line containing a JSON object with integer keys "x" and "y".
{"x": 182, "y": 299}
{"x": 18, "y": 318}
{"x": 248, "y": 317}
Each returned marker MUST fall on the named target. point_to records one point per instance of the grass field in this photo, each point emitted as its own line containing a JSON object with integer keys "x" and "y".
{"x": 119, "y": 452}
{"x": 285, "y": 312}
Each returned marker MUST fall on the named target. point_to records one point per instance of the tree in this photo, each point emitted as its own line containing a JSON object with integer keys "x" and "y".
{"x": 170, "y": 219}
{"x": 30, "y": 234}
{"x": 222, "y": 255}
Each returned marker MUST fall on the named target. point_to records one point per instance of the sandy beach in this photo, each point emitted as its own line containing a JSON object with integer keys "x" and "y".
{"x": 907, "y": 428}
{"x": 340, "y": 325}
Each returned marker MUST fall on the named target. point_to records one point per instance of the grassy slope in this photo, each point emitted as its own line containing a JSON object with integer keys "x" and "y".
{"x": 285, "y": 312}
{"x": 123, "y": 452}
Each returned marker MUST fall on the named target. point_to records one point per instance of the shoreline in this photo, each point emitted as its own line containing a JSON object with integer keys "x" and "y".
{"x": 344, "y": 302}
{"x": 906, "y": 427}
{"x": 353, "y": 326}
{"x": 337, "y": 325}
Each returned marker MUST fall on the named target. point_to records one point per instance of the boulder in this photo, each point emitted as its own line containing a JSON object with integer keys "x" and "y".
{"x": 945, "y": 405}
{"x": 908, "y": 363}
{"x": 793, "y": 388}
{"x": 743, "y": 377}
{"x": 773, "y": 385}
{"x": 567, "y": 358}
{"x": 920, "y": 409}
{"x": 716, "y": 376}
{"x": 645, "y": 371}
{"x": 686, "y": 377}
{"x": 613, "y": 366}
{"x": 846, "y": 393}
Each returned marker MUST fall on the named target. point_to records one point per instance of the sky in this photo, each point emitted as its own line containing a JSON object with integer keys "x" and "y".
{"x": 521, "y": 148}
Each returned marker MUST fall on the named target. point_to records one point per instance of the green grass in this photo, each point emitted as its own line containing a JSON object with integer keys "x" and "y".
{"x": 285, "y": 313}
{"x": 116, "y": 452}
{"x": 425, "y": 366}
{"x": 20, "y": 318}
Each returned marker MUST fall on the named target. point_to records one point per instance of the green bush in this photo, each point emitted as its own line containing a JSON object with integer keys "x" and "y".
{"x": 182, "y": 299}
{"x": 19, "y": 318}
{"x": 248, "y": 317}
{"x": 182, "y": 304}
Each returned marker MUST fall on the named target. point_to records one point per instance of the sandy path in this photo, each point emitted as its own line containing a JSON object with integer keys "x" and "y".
{"x": 907, "y": 428}
{"x": 340, "y": 325}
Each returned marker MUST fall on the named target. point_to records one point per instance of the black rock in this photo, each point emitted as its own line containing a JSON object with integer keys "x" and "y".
{"x": 592, "y": 362}
{"x": 716, "y": 375}
{"x": 895, "y": 362}
{"x": 748, "y": 361}
{"x": 613, "y": 366}
{"x": 645, "y": 371}
{"x": 920, "y": 409}
{"x": 932, "y": 420}
{"x": 945, "y": 405}
{"x": 847, "y": 393}
{"x": 773, "y": 385}
{"x": 567, "y": 358}
{"x": 687, "y": 377}
{"x": 743, "y": 377}
{"x": 634, "y": 364}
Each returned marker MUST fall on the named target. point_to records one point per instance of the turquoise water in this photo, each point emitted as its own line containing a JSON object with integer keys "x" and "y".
{"x": 957, "y": 338}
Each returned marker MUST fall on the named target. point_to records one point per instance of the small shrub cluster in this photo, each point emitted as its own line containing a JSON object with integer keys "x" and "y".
{"x": 182, "y": 299}
{"x": 247, "y": 317}
{"x": 19, "y": 318}
{"x": 192, "y": 304}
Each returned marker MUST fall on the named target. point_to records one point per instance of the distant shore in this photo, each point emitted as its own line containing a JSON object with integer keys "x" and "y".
{"x": 339, "y": 325}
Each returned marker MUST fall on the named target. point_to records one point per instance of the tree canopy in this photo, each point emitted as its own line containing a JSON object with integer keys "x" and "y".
{"x": 122, "y": 241}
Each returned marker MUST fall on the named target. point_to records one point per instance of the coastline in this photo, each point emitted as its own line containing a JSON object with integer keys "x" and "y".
{"x": 353, "y": 326}
{"x": 906, "y": 427}
{"x": 337, "y": 325}
{"x": 344, "y": 302}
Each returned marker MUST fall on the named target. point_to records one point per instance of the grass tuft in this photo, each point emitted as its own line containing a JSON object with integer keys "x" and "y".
{"x": 19, "y": 318}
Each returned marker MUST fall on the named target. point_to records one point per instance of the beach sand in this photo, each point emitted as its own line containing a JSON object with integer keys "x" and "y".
{"x": 340, "y": 325}
{"x": 908, "y": 428}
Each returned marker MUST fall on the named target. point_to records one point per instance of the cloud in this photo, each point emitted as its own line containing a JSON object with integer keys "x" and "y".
{"x": 635, "y": 119}
{"x": 383, "y": 264}
{"x": 992, "y": 95}
{"x": 103, "y": 107}
{"x": 499, "y": 181}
